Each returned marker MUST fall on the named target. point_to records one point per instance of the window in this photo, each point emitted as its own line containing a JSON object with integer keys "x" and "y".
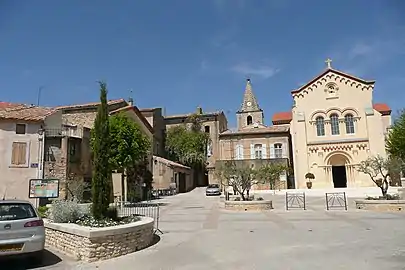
{"x": 320, "y": 126}
{"x": 258, "y": 151}
{"x": 249, "y": 120}
{"x": 349, "y": 121}
{"x": 19, "y": 153}
{"x": 334, "y": 124}
{"x": 207, "y": 129}
{"x": 278, "y": 150}
{"x": 20, "y": 128}
{"x": 239, "y": 151}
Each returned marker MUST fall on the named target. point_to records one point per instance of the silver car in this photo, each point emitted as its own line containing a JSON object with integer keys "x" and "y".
{"x": 213, "y": 189}
{"x": 22, "y": 230}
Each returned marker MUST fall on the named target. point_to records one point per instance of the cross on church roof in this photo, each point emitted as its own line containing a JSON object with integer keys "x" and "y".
{"x": 328, "y": 62}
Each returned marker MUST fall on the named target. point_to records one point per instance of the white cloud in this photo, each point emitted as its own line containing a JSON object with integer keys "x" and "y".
{"x": 260, "y": 71}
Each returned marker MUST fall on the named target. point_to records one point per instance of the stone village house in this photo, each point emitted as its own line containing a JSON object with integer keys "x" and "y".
{"x": 253, "y": 143}
{"x": 21, "y": 139}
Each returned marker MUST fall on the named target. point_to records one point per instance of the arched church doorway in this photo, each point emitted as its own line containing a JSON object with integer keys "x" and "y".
{"x": 339, "y": 175}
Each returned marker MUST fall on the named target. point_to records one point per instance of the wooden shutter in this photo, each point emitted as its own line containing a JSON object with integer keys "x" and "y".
{"x": 237, "y": 152}
{"x": 284, "y": 149}
{"x": 252, "y": 151}
{"x": 19, "y": 153}
{"x": 272, "y": 151}
{"x": 264, "y": 151}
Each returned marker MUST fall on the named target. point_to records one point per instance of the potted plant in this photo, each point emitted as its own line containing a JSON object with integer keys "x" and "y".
{"x": 309, "y": 176}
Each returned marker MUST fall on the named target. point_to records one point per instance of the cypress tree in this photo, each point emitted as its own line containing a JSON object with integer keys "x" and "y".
{"x": 102, "y": 178}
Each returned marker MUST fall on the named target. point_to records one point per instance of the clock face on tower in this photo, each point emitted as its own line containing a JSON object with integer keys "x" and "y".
{"x": 249, "y": 103}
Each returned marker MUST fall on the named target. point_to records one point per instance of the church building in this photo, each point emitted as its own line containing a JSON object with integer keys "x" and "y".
{"x": 334, "y": 125}
{"x": 253, "y": 143}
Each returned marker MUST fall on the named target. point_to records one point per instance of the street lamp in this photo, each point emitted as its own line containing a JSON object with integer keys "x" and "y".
{"x": 41, "y": 150}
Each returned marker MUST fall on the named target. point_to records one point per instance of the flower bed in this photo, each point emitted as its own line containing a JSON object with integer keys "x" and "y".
{"x": 93, "y": 244}
{"x": 259, "y": 205}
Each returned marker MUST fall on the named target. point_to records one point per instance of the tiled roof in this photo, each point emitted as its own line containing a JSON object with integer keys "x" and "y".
{"x": 92, "y": 104}
{"x": 190, "y": 114}
{"x": 383, "y": 108}
{"x": 282, "y": 118}
{"x": 138, "y": 113}
{"x": 286, "y": 117}
{"x": 334, "y": 71}
{"x": 169, "y": 162}
{"x": 271, "y": 129}
{"x": 22, "y": 112}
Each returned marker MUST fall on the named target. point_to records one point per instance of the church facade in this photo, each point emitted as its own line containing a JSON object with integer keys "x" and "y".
{"x": 334, "y": 125}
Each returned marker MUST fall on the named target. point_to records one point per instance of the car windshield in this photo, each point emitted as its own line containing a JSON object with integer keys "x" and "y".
{"x": 16, "y": 211}
{"x": 213, "y": 186}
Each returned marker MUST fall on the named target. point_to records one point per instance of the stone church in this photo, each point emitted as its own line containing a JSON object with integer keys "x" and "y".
{"x": 334, "y": 125}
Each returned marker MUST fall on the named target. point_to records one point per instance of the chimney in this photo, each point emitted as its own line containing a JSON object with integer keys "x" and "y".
{"x": 131, "y": 101}
{"x": 199, "y": 110}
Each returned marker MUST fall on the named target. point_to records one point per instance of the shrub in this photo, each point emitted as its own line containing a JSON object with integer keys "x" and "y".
{"x": 237, "y": 199}
{"x": 260, "y": 199}
{"x": 66, "y": 211}
{"x": 43, "y": 211}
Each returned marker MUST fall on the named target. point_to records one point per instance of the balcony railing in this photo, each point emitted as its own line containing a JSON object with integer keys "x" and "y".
{"x": 73, "y": 132}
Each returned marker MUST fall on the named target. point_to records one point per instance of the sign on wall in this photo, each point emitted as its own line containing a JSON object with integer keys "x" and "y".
{"x": 43, "y": 188}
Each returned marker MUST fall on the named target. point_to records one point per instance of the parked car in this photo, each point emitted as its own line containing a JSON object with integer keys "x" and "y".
{"x": 213, "y": 189}
{"x": 22, "y": 230}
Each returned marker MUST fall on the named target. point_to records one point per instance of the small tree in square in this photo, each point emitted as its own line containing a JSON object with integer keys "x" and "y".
{"x": 379, "y": 169}
{"x": 270, "y": 173}
{"x": 101, "y": 147}
{"x": 241, "y": 178}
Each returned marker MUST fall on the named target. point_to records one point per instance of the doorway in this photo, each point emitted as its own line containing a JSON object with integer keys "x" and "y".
{"x": 339, "y": 176}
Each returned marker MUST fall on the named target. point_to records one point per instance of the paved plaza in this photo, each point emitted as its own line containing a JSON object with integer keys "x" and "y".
{"x": 200, "y": 234}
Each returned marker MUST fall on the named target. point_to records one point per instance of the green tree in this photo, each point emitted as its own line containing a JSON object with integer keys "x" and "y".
{"x": 187, "y": 144}
{"x": 240, "y": 177}
{"x": 395, "y": 142}
{"x": 101, "y": 147}
{"x": 129, "y": 145}
{"x": 379, "y": 169}
{"x": 270, "y": 173}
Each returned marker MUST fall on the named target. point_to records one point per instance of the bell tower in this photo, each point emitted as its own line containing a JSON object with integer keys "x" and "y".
{"x": 249, "y": 114}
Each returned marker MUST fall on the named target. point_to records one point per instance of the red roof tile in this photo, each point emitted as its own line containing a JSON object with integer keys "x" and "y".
{"x": 14, "y": 111}
{"x": 92, "y": 104}
{"x": 282, "y": 118}
{"x": 382, "y": 108}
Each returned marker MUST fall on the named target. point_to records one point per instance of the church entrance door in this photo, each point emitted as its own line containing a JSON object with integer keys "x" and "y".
{"x": 339, "y": 176}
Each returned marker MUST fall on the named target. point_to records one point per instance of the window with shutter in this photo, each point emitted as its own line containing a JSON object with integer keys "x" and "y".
{"x": 19, "y": 153}
{"x": 278, "y": 150}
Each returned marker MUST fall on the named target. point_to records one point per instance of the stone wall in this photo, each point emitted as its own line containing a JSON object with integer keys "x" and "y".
{"x": 95, "y": 244}
{"x": 249, "y": 205}
{"x": 381, "y": 205}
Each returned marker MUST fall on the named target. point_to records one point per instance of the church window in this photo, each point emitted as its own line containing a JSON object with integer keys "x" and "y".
{"x": 258, "y": 151}
{"x": 320, "y": 126}
{"x": 249, "y": 120}
{"x": 334, "y": 124}
{"x": 349, "y": 121}
{"x": 278, "y": 150}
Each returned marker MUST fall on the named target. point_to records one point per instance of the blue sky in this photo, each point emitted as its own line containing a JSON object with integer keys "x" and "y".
{"x": 180, "y": 54}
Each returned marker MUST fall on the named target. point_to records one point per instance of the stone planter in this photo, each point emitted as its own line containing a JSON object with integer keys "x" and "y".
{"x": 381, "y": 205}
{"x": 249, "y": 205}
{"x": 403, "y": 182}
{"x": 309, "y": 184}
{"x": 95, "y": 244}
{"x": 233, "y": 197}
